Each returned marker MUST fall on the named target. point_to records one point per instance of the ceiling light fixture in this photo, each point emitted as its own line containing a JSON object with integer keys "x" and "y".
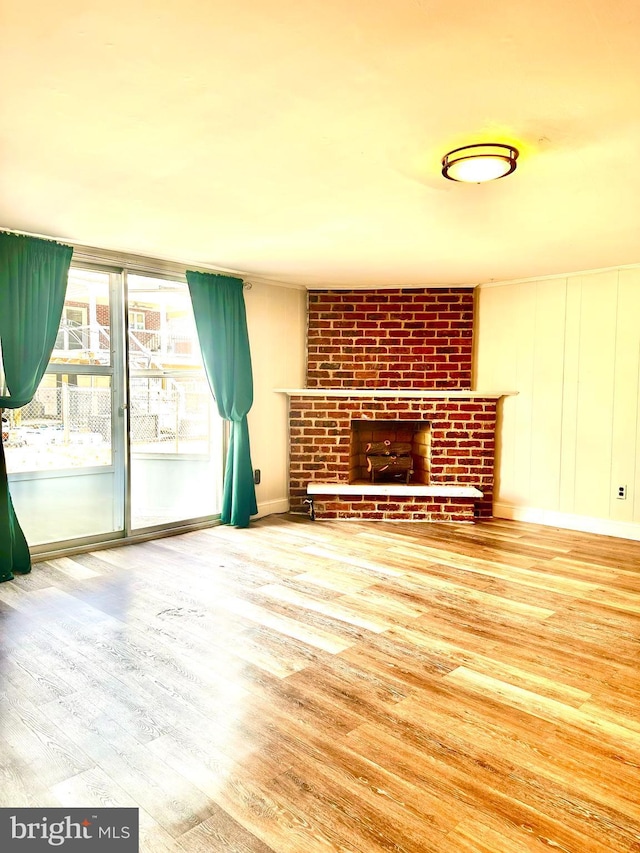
{"x": 475, "y": 164}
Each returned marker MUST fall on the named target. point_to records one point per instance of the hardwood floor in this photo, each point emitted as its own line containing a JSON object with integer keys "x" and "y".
{"x": 300, "y": 687}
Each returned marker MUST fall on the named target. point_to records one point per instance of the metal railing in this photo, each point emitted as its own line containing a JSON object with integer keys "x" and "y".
{"x": 148, "y": 348}
{"x": 166, "y": 414}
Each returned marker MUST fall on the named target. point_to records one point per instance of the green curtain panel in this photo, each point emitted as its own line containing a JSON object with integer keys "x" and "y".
{"x": 221, "y": 321}
{"x": 33, "y": 282}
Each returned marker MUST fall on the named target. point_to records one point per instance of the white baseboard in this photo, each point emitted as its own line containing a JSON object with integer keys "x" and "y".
{"x": 584, "y": 523}
{"x": 271, "y": 507}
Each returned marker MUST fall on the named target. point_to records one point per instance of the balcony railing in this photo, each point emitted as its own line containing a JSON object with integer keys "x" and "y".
{"x": 91, "y": 344}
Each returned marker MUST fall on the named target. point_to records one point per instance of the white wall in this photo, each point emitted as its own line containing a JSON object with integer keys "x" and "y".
{"x": 277, "y": 322}
{"x": 571, "y": 347}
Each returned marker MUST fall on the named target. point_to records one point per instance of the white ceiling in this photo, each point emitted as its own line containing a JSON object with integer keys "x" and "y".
{"x": 301, "y": 140}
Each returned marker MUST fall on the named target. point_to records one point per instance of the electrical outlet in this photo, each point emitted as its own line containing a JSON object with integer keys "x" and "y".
{"x": 256, "y": 476}
{"x": 622, "y": 493}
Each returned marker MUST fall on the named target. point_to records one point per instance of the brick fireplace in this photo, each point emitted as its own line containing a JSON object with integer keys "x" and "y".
{"x": 392, "y": 365}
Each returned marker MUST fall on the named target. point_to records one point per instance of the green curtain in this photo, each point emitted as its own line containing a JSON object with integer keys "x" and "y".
{"x": 33, "y": 282}
{"x": 221, "y": 321}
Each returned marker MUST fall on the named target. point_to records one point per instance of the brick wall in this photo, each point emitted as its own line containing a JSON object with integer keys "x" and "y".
{"x": 390, "y": 338}
{"x": 103, "y": 315}
{"x": 462, "y": 451}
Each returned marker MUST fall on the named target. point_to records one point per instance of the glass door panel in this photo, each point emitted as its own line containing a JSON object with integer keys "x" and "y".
{"x": 175, "y": 432}
{"x": 65, "y": 449}
{"x": 67, "y": 425}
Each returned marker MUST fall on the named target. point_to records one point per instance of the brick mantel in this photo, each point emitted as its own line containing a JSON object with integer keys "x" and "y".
{"x": 375, "y": 393}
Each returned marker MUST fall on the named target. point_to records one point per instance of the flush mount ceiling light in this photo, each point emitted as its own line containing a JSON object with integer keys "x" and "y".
{"x": 475, "y": 164}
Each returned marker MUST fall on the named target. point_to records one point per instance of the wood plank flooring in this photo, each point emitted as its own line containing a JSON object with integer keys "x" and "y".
{"x": 303, "y": 687}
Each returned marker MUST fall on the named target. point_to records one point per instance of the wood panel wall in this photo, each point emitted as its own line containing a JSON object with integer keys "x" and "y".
{"x": 571, "y": 348}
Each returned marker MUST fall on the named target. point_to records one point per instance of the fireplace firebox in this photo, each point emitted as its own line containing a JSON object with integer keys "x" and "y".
{"x": 389, "y": 451}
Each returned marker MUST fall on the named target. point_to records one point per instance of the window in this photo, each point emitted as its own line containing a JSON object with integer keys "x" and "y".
{"x": 74, "y": 331}
{"x": 137, "y": 321}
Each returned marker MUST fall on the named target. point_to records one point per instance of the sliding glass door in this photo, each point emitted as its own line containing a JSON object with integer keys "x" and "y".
{"x": 66, "y": 449}
{"x": 122, "y": 435}
{"x": 175, "y": 432}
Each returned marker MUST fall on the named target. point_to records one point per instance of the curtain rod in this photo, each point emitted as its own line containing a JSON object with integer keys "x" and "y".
{"x": 133, "y": 261}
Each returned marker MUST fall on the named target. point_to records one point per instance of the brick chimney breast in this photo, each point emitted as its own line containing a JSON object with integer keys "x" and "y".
{"x": 390, "y": 338}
